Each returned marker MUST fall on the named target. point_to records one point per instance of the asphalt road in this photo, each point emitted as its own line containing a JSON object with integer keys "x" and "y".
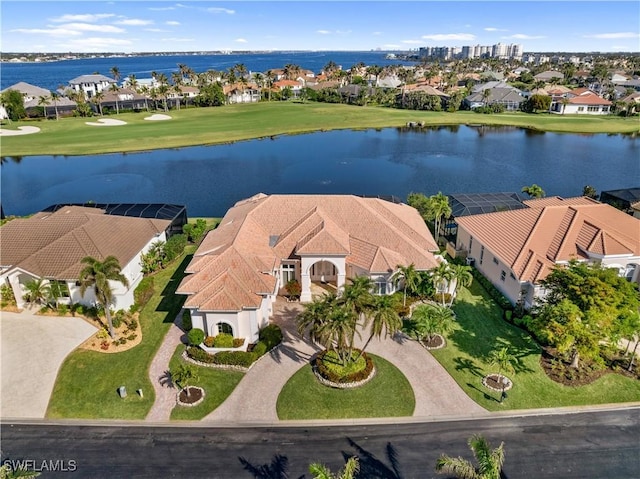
{"x": 595, "y": 444}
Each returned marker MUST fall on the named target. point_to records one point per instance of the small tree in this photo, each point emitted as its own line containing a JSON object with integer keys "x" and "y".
{"x": 195, "y": 336}
{"x": 293, "y": 289}
{"x": 489, "y": 461}
{"x": 184, "y": 375}
{"x": 534, "y": 191}
{"x": 505, "y": 361}
{"x": 409, "y": 278}
{"x": 37, "y": 291}
{"x": 428, "y": 320}
{"x": 350, "y": 470}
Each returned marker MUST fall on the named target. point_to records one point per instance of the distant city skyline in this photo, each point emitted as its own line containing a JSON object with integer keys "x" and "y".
{"x": 168, "y": 26}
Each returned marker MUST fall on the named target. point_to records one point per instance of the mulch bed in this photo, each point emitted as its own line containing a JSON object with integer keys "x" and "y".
{"x": 494, "y": 381}
{"x": 195, "y": 394}
{"x": 437, "y": 341}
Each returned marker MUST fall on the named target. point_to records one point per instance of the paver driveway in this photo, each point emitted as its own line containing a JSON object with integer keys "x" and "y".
{"x": 32, "y": 350}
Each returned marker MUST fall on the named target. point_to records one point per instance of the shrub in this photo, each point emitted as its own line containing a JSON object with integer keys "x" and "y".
{"x": 223, "y": 340}
{"x": 174, "y": 247}
{"x": 238, "y": 342}
{"x": 117, "y": 318}
{"x": 6, "y": 295}
{"x": 144, "y": 291}
{"x": 186, "y": 320}
{"x": 195, "y": 336}
{"x": 131, "y": 337}
{"x": 209, "y": 341}
{"x": 198, "y": 354}
{"x": 293, "y": 289}
{"x": 63, "y": 309}
{"x": 102, "y": 334}
{"x": 234, "y": 358}
{"x": 332, "y": 376}
{"x": 271, "y": 336}
{"x": 132, "y": 324}
{"x": 508, "y": 315}
{"x": 260, "y": 349}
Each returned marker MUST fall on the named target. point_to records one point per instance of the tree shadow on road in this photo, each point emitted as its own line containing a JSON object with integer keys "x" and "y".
{"x": 277, "y": 469}
{"x": 371, "y": 466}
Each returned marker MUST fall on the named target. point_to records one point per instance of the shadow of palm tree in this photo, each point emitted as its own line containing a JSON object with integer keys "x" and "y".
{"x": 464, "y": 364}
{"x": 171, "y": 302}
{"x": 486, "y": 395}
{"x": 371, "y": 466}
{"x": 166, "y": 380}
{"x": 291, "y": 339}
{"x": 277, "y": 469}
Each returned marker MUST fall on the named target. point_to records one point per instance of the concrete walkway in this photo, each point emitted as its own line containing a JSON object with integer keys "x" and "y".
{"x": 159, "y": 374}
{"x": 254, "y": 399}
{"x": 33, "y": 348}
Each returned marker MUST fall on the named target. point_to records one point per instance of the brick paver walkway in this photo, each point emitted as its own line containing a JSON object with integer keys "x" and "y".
{"x": 158, "y": 373}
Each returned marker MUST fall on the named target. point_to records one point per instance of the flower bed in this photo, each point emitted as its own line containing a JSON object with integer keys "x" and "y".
{"x": 329, "y": 372}
{"x": 196, "y": 396}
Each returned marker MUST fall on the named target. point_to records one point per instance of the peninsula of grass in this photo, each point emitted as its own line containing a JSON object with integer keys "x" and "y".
{"x": 217, "y": 385}
{"x": 88, "y": 381}
{"x": 388, "y": 394}
{"x": 480, "y": 329}
{"x": 216, "y": 125}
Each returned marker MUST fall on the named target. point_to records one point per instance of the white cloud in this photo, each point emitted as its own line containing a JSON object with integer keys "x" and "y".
{"x": 172, "y": 22}
{"x": 376, "y": 33}
{"x": 323, "y": 32}
{"x": 522, "y": 36}
{"x": 91, "y": 27}
{"x": 161, "y": 9}
{"x": 449, "y": 36}
{"x": 241, "y": 40}
{"x": 48, "y": 31}
{"x": 221, "y": 10}
{"x": 134, "y": 22}
{"x": 609, "y": 36}
{"x": 174, "y": 39}
{"x": 413, "y": 42}
{"x": 156, "y": 30}
{"x": 494, "y": 29}
{"x": 89, "y": 17}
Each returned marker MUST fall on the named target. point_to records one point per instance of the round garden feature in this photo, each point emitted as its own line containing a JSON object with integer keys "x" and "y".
{"x": 435, "y": 341}
{"x": 338, "y": 372}
{"x": 190, "y": 396}
{"x": 497, "y": 382}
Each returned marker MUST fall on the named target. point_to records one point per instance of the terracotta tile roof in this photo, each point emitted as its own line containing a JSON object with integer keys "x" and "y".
{"x": 532, "y": 240}
{"x": 52, "y": 245}
{"x": 234, "y": 264}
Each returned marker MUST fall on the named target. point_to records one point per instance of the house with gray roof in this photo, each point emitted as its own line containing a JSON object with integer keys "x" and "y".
{"x": 89, "y": 85}
{"x": 29, "y": 92}
{"x": 511, "y": 98}
{"x": 548, "y": 76}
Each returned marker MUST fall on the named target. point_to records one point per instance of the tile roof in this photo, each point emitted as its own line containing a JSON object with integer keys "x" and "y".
{"x": 532, "y": 240}
{"x": 587, "y": 98}
{"x": 28, "y": 89}
{"x": 52, "y": 245}
{"x": 258, "y": 233}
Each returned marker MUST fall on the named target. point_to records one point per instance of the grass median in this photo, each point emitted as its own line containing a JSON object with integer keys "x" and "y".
{"x": 216, "y": 125}
{"x": 86, "y": 386}
{"x": 480, "y": 329}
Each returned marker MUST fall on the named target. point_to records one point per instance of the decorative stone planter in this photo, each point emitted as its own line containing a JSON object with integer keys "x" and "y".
{"x": 197, "y": 396}
{"x": 495, "y": 382}
{"x": 437, "y": 342}
{"x": 331, "y": 384}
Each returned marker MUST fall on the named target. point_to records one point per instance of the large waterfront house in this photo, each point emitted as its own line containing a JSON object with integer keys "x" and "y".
{"x": 50, "y": 245}
{"x": 581, "y": 101}
{"x": 89, "y": 85}
{"x": 318, "y": 240}
{"x": 517, "y": 249}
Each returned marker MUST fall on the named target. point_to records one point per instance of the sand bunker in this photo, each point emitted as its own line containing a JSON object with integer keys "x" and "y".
{"x": 106, "y": 122}
{"x": 22, "y": 130}
{"x": 158, "y": 117}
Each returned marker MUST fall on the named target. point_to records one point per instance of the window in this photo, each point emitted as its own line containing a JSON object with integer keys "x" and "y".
{"x": 288, "y": 273}
{"x": 580, "y": 108}
{"x": 495, "y": 260}
{"x": 503, "y": 275}
{"x": 481, "y": 253}
{"x": 470, "y": 243}
{"x": 593, "y": 108}
{"x": 381, "y": 287}
{"x": 225, "y": 328}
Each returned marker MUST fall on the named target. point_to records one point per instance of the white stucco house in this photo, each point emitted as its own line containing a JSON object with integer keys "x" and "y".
{"x": 265, "y": 241}
{"x": 51, "y": 246}
{"x": 89, "y": 85}
{"x": 517, "y": 249}
{"x": 581, "y": 101}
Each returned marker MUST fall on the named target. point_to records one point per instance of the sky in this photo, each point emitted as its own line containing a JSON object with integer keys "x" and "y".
{"x": 169, "y": 26}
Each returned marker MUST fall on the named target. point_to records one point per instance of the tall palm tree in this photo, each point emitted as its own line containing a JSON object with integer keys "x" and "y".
{"x": 115, "y": 71}
{"x": 489, "y": 461}
{"x": 438, "y": 209}
{"x": 349, "y": 471}
{"x": 43, "y": 101}
{"x": 383, "y": 319}
{"x": 442, "y": 276}
{"x": 114, "y": 88}
{"x": 534, "y": 191}
{"x": 97, "y": 275}
{"x": 97, "y": 99}
{"x": 409, "y": 277}
{"x": 270, "y": 79}
{"x": 461, "y": 275}
{"x": 55, "y": 97}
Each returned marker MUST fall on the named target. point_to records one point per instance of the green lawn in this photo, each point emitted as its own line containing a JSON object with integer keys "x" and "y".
{"x": 388, "y": 394}
{"x": 202, "y": 126}
{"x": 86, "y": 386}
{"x": 217, "y": 385}
{"x": 480, "y": 329}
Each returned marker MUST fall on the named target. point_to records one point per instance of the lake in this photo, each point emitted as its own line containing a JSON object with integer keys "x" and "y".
{"x": 392, "y": 161}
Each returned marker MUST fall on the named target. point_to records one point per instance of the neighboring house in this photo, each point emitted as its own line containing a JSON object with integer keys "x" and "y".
{"x": 126, "y": 98}
{"x": 631, "y": 102}
{"x": 319, "y": 240}
{"x": 517, "y": 249}
{"x": 63, "y": 105}
{"x": 29, "y": 92}
{"x": 626, "y": 199}
{"x": 89, "y": 85}
{"x": 510, "y": 98}
{"x": 549, "y": 76}
{"x": 51, "y": 246}
{"x": 241, "y": 93}
{"x": 582, "y": 101}
{"x": 294, "y": 85}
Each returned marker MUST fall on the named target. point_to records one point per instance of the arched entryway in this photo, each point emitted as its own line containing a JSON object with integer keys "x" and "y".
{"x": 321, "y": 275}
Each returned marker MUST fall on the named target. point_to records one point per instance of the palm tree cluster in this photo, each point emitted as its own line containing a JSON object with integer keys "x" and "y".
{"x": 333, "y": 321}
{"x": 489, "y": 461}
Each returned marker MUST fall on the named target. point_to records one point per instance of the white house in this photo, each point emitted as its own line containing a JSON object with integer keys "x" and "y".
{"x": 582, "y": 101}
{"x": 517, "y": 249}
{"x": 89, "y": 85}
{"x": 51, "y": 246}
{"x": 265, "y": 241}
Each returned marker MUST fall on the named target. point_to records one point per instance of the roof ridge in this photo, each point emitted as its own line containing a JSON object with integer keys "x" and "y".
{"x": 561, "y": 233}
{"x": 526, "y": 243}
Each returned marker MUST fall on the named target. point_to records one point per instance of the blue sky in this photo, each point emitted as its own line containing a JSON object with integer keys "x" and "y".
{"x": 143, "y": 26}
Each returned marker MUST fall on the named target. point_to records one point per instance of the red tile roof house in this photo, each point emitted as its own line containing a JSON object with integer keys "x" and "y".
{"x": 517, "y": 249}
{"x": 582, "y": 101}
{"x": 265, "y": 241}
{"x": 51, "y": 246}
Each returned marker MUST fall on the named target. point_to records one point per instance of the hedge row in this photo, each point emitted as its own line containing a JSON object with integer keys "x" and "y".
{"x": 494, "y": 292}
{"x": 145, "y": 290}
{"x": 330, "y": 375}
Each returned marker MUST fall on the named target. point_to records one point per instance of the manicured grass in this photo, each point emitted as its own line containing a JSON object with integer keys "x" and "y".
{"x": 480, "y": 329}
{"x": 86, "y": 386}
{"x": 389, "y": 394}
{"x": 203, "y": 126}
{"x": 217, "y": 385}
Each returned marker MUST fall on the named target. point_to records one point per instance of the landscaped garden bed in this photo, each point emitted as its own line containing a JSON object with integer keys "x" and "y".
{"x": 331, "y": 371}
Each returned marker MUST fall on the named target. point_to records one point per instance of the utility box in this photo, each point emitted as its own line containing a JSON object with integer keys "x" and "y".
{"x": 122, "y": 391}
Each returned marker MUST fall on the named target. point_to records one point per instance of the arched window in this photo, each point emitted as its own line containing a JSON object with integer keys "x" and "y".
{"x": 225, "y": 328}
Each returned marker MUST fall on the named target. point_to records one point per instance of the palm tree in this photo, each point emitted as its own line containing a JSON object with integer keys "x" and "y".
{"x": 55, "y": 97}
{"x": 7, "y": 472}
{"x": 96, "y": 275}
{"x": 428, "y": 320}
{"x": 505, "y": 361}
{"x": 350, "y": 470}
{"x": 115, "y": 71}
{"x": 461, "y": 275}
{"x": 489, "y": 461}
{"x": 437, "y": 209}
{"x": 485, "y": 96}
{"x": 291, "y": 72}
{"x": 442, "y": 275}
{"x": 114, "y": 88}
{"x": 384, "y": 318}
{"x": 38, "y": 291}
{"x": 97, "y": 99}
{"x": 270, "y": 79}
{"x": 43, "y": 101}
{"x": 183, "y": 375}
{"x": 410, "y": 278}
{"x": 534, "y": 191}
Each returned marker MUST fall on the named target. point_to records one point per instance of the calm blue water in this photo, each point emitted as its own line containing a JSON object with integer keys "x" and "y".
{"x": 52, "y": 75}
{"x": 208, "y": 180}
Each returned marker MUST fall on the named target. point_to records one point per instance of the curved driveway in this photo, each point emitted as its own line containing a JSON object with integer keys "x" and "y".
{"x": 254, "y": 399}
{"x": 33, "y": 349}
